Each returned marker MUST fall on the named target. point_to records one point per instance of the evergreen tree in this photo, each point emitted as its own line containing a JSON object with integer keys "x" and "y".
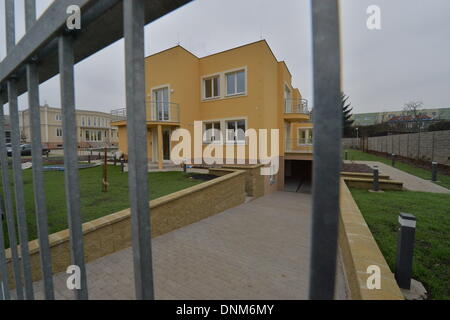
{"x": 346, "y": 115}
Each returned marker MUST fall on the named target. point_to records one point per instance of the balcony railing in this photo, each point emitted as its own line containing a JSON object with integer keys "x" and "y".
{"x": 157, "y": 111}
{"x": 296, "y": 106}
{"x": 300, "y": 145}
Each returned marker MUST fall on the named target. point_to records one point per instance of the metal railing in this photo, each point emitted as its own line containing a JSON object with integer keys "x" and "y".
{"x": 299, "y": 145}
{"x": 296, "y": 106}
{"x": 156, "y": 111}
{"x": 47, "y": 49}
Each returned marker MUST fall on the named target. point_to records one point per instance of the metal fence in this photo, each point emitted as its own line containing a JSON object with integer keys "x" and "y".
{"x": 296, "y": 106}
{"x": 48, "y": 48}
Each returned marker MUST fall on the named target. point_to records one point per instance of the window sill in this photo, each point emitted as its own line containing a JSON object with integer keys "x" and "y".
{"x": 211, "y": 99}
{"x": 243, "y": 94}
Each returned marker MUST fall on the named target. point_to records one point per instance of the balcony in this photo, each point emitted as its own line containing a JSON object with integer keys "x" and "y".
{"x": 300, "y": 145}
{"x": 296, "y": 106}
{"x": 157, "y": 111}
{"x": 296, "y": 109}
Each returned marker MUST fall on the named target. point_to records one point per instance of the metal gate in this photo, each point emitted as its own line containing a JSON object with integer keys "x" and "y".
{"x": 48, "y": 48}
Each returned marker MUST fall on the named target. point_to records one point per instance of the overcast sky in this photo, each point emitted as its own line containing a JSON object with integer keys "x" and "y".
{"x": 408, "y": 59}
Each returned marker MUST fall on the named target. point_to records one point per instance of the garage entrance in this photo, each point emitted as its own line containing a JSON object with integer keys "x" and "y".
{"x": 298, "y": 176}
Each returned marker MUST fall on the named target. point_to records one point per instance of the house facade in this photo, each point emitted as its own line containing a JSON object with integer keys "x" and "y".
{"x": 94, "y": 128}
{"x": 229, "y": 92}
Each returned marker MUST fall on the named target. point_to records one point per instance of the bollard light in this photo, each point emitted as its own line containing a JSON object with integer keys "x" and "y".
{"x": 393, "y": 159}
{"x": 405, "y": 250}
{"x": 376, "y": 183}
{"x": 434, "y": 166}
{"x": 346, "y": 155}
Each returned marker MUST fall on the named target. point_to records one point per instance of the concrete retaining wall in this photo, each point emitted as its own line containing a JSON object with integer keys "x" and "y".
{"x": 112, "y": 233}
{"x": 426, "y": 146}
{"x": 359, "y": 251}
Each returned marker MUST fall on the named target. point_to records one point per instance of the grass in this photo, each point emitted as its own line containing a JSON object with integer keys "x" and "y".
{"x": 94, "y": 202}
{"x": 431, "y": 263}
{"x": 444, "y": 180}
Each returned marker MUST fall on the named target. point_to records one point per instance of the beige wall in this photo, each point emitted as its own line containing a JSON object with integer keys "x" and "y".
{"x": 51, "y": 123}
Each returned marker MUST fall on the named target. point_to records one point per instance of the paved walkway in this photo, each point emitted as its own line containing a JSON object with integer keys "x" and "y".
{"x": 410, "y": 182}
{"x": 259, "y": 250}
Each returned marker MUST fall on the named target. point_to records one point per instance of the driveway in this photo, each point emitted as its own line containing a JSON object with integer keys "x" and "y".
{"x": 258, "y": 250}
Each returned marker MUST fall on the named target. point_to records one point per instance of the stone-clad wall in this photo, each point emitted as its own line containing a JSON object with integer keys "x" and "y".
{"x": 427, "y": 146}
{"x": 359, "y": 251}
{"x": 112, "y": 233}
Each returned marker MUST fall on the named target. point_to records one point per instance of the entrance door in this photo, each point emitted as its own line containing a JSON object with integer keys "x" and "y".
{"x": 161, "y": 103}
{"x": 166, "y": 145}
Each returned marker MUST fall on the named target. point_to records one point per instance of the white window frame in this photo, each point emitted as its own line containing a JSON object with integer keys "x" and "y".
{"x": 226, "y": 73}
{"x": 58, "y": 117}
{"x": 210, "y": 77}
{"x": 238, "y": 142}
{"x": 309, "y": 136}
{"x": 219, "y": 141}
{"x": 59, "y": 132}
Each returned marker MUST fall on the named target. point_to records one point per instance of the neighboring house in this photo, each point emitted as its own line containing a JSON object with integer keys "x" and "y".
{"x": 94, "y": 128}
{"x": 367, "y": 119}
{"x": 422, "y": 121}
{"x": 241, "y": 88}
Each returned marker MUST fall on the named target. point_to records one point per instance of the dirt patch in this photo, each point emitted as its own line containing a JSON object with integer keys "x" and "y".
{"x": 202, "y": 177}
{"x": 356, "y": 167}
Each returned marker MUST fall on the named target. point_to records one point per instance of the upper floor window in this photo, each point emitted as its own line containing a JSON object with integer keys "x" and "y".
{"x": 211, "y": 87}
{"x": 235, "y": 131}
{"x": 59, "y": 132}
{"x": 235, "y": 82}
{"x": 58, "y": 117}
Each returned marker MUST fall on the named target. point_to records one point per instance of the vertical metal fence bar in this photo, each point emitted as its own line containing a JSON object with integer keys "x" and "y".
{"x": 36, "y": 151}
{"x": 137, "y": 147}
{"x": 4, "y": 288}
{"x": 38, "y": 180}
{"x": 327, "y": 145}
{"x": 10, "y": 25}
{"x": 30, "y": 13}
{"x": 72, "y": 180}
{"x": 7, "y": 198}
{"x": 10, "y": 43}
{"x": 18, "y": 188}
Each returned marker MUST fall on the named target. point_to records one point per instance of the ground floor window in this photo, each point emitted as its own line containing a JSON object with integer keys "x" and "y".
{"x": 305, "y": 136}
{"x": 233, "y": 131}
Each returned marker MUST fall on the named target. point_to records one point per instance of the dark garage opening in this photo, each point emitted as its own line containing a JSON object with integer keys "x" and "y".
{"x": 298, "y": 176}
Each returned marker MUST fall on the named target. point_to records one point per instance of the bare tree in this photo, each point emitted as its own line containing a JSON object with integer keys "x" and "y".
{"x": 413, "y": 109}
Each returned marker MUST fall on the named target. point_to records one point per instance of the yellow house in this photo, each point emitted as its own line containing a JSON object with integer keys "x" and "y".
{"x": 241, "y": 88}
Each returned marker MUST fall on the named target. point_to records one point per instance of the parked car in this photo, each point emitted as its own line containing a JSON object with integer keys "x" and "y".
{"x": 25, "y": 150}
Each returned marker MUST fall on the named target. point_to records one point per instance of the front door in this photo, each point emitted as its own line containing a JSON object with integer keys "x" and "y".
{"x": 166, "y": 145}
{"x": 161, "y": 103}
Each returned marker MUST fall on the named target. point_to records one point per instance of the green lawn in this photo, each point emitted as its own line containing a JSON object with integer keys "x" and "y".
{"x": 94, "y": 202}
{"x": 432, "y": 246}
{"x": 419, "y": 172}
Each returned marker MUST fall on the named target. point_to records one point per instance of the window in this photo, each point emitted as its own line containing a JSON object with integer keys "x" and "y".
{"x": 99, "y": 136}
{"x": 88, "y": 137}
{"x": 58, "y": 117}
{"x": 235, "y": 130}
{"x": 211, "y": 87}
{"x": 211, "y": 132}
{"x": 58, "y": 132}
{"x": 235, "y": 82}
{"x": 82, "y": 121}
{"x": 304, "y": 136}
